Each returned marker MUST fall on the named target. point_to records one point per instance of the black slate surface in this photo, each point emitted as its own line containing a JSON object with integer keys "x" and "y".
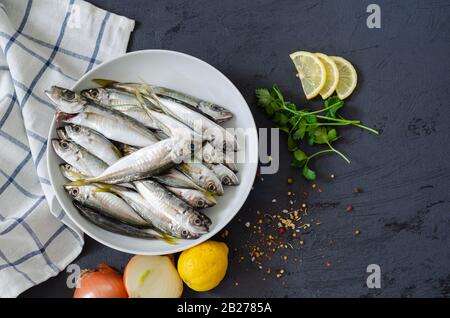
{"x": 403, "y": 213}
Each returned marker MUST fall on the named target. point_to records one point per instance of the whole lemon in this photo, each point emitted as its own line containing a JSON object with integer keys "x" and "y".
{"x": 203, "y": 267}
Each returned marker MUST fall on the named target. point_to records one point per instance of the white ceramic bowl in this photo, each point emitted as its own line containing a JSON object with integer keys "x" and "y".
{"x": 187, "y": 74}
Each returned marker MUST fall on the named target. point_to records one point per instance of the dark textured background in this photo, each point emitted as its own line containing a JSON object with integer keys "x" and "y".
{"x": 403, "y": 213}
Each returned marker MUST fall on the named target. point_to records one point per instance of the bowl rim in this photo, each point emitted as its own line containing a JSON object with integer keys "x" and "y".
{"x": 252, "y": 152}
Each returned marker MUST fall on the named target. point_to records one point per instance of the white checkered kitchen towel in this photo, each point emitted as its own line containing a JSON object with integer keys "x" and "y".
{"x": 43, "y": 42}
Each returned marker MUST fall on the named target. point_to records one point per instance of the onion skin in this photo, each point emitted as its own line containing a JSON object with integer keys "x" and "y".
{"x": 104, "y": 282}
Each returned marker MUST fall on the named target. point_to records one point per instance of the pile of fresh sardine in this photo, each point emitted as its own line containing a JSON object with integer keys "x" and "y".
{"x": 143, "y": 160}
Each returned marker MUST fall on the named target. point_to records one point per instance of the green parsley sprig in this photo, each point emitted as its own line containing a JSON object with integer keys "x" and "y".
{"x": 314, "y": 127}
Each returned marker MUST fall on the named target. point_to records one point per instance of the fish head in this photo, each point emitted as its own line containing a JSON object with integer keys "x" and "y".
{"x": 219, "y": 113}
{"x": 76, "y": 130}
{"x": 206, "y": 200}
{"x": 77, "y": 193}
{"x": 64, "y": 148}
{"x": 70, "y": 172}
{"x": 194, "y": 225}
{"x": 211, "y": 183}
{"x": 230, "y": 179}
{"x": 66, "y": 100}
{"x": 98, "y": 95}
{"x": 227, "y": 176}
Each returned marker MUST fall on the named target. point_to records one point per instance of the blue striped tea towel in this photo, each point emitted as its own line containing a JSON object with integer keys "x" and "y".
{"x": 43, "y": 42}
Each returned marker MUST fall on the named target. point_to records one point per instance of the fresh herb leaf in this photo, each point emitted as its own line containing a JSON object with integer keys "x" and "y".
{"x": 304, "y": 124}
{"x": 292, "y": 144}
{"x": 263, "y": 96}
{"x": 311, "y": 119}
{"x": 332, "y": 135}
{"x": 320, "y": 136}
{"x": 300, "y": 155}
{"x": 334, "y": 103}
{"x": 308, "y": 173}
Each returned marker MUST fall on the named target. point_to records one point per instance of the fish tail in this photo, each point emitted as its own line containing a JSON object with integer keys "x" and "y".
{"x": 150, "y": 95}
{"x": 104, "y": 82}
{"x": 117, "y": 151}
{"x": 79, "y": 183}
{"x": 169, "y": 239}
{"x": 103, "y": 187}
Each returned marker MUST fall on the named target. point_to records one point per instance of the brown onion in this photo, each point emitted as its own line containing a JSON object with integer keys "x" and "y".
{"x": 104, "y": 282}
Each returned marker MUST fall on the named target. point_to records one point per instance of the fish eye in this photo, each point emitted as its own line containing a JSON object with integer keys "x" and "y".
{"x": 184, "y": 233}
{"x": 226, "y": 180}
{"x": 93, "y": 92}
{"x": 211, "y": 187}
{"x": 64, "y": 145}
{"x": 69, "y": 94}
{"x": 76, "y": 129}
{"x": 200, "y": 204}
{"x": 74, "y": 191}
{"x": 197, "y": 221}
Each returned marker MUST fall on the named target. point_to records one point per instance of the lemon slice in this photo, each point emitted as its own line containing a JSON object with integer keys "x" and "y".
{"x": 311, "y": 72}
{"x": 332, "y": 79}
{"x": 347, "y": 77}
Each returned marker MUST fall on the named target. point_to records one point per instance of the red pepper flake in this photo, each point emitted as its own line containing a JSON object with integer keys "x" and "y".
{"x": 281, "y": 230}
{"x": 349, "y": 208}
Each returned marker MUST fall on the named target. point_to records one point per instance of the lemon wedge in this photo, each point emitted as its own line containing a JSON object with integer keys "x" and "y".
{"x": 311, "y": 72}
{"x": 332, "y": 78}
{"x": 347, "y": 77}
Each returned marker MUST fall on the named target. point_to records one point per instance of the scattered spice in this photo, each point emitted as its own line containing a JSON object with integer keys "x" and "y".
{"x": 357, "y": 232}
{"x": 290, "y": 180}
{"x": 349, "y": 208}
{"x": 357, "y": 190}
{"x": 332, "y": 176}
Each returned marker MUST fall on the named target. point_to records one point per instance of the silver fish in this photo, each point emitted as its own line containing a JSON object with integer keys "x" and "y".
{"x": 145, "y": 162}
{"x": 79, "y": 157}
{"x": 225, "y": 175}
{"x": 213, "y": 111}
{"x": 195, "y": 198}
{"x": 114, "y": 125}
{"x": 121, "y": 101}
{"x": 176, "y": 179}
{"x": 107, "y": 223}
{"x": 169, "y": 125}
{"x": 109, "y": 203}
{"x": 202, "y": 176}
{"x": 217, "y": 135}
{"x": 169, "y": 213}
{"x": 71, "y": 173}
{"x": 172, "y": 127}
{"x": 92, "y": 141}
